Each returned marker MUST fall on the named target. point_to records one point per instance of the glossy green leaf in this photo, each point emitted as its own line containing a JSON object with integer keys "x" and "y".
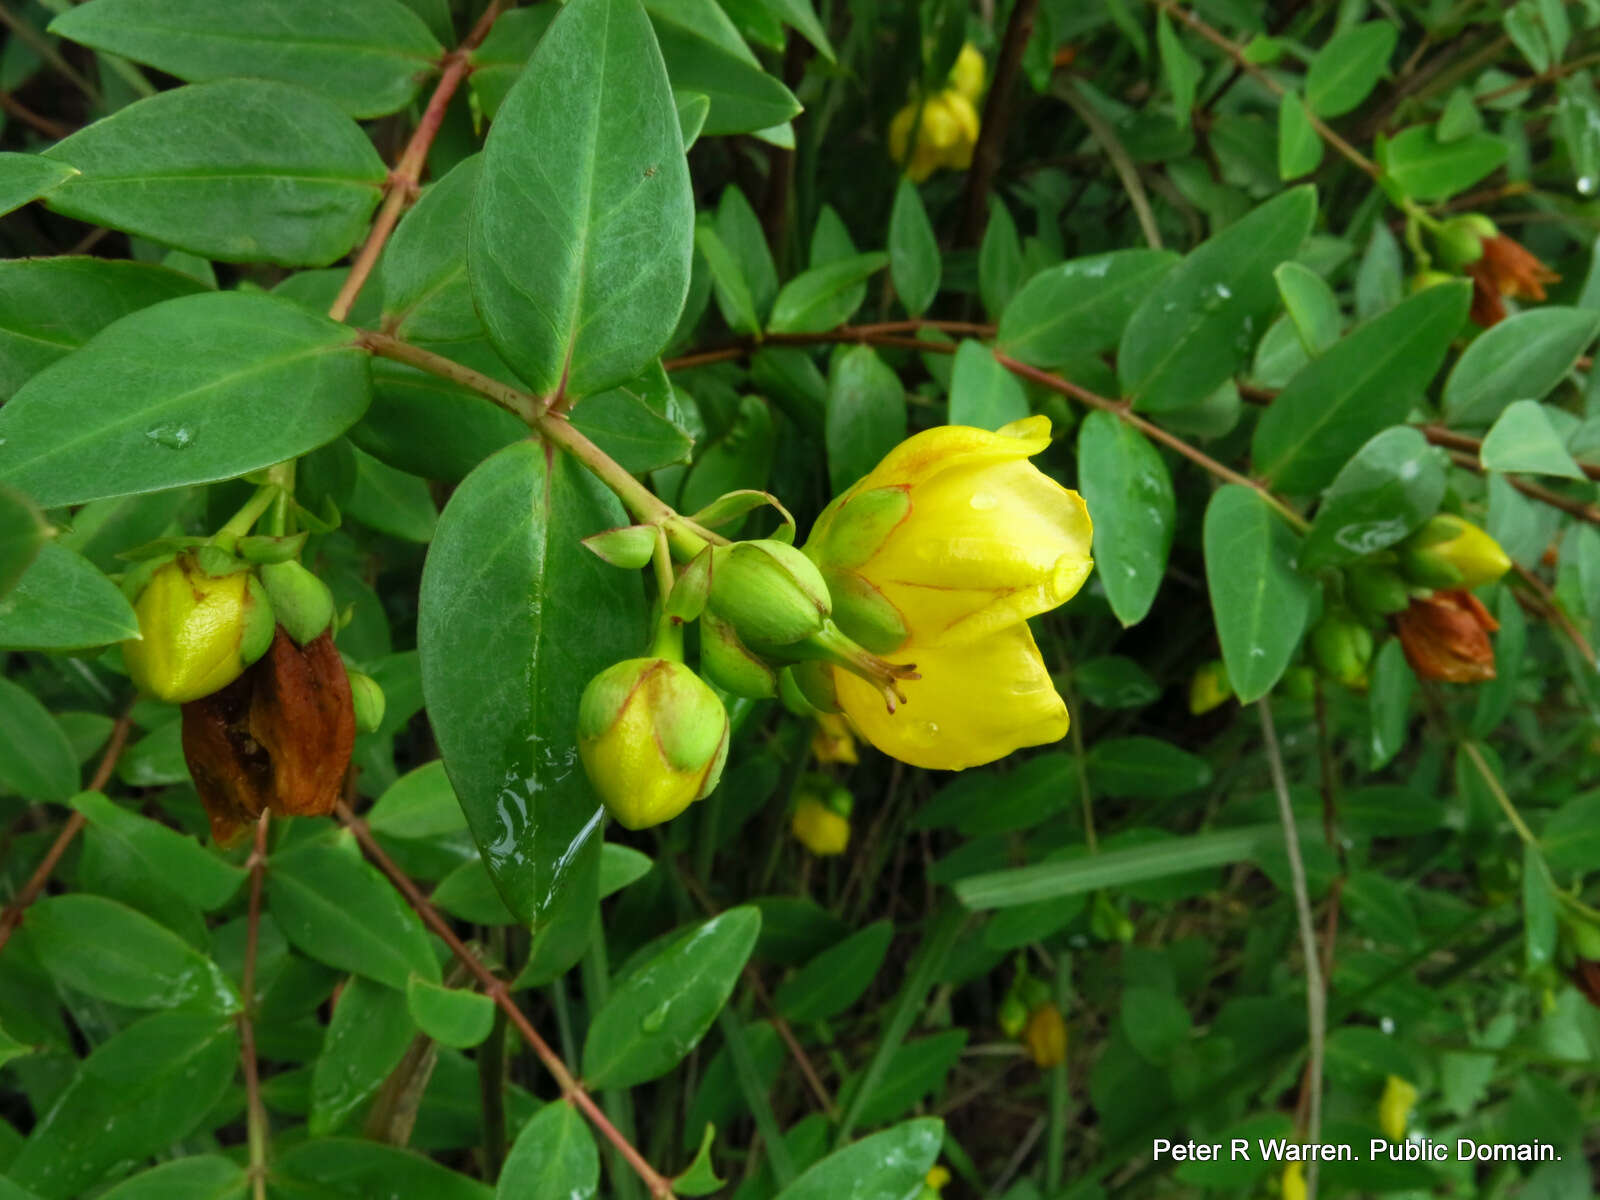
{"x": 360, "y": 1169}
{"x": 918, "y": 1067}
{"x": 25, "y": 177}
{"x": 1367, "y": 382}
{"x": 1079, "y": 307}
{"x": 1197, "y": 325}
{"x": 1311, "y": 306}
{"x": 1258, "y": 600}
{"x": 1524, "y": 439}
{"x": 1391, "y": 486}
{"x": 835, "y": 979}
{"x": 1521, "y": 358}
{"x": 389, "y": 501}
{"x": 640, "y": 423}
{"x": 108, "y": 950}
{"x": 62, "y": 602}
{"x": 741, "y": 232}
{"x": 193, "y": 390}
{"x": 241, "y": 170}
{"x": 699, "y": 1178}
{"x": 36, "y": 760}
{"x": 741, "y": 458}
{"x": 1349, "y": 66}
{"x": 1145, "y": 767}
{"x": 866, "y": 414}
{"x": 661, "y": 1011}
{"x": 145, "y": 1089}
{"x": 367, "y": 56}
{"x": 334, "y": 907}
{"x": 198, "y": 1177}
{"x": 1424, "y": 168}
{"x": 23, "y": 533}
{"x": 369, "y": 1032}
{"x": 801, "y": 16}
{"x": 727, "y": 279}
{"x": 195, "y": 873}
{"x": 886, "y": 1166}
{"x": 583, "y": 223}
{"x": 503, "y": 694}
{"x": 429, "y": 426}
{"x": 1299, "y": 143}
{"x": 914, "y": 262}
{"x": 554, "y": 1155}
{"x": 1129, "y": 491}
{"x": 450, "y": 1016}
{"x": 1180, "y": 67}
{"x": 423, "y": 272}
{"x": 983, "y": 393}
{"x": 420, "y": 804}
{"x": 824, "y": 296}
{"x": 704, "y": 53}
{"x": 999, "y": 260}
{"x": 498, "y": 62}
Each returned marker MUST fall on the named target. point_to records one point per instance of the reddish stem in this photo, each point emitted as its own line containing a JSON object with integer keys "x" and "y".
{"x": 255, "y": 1112}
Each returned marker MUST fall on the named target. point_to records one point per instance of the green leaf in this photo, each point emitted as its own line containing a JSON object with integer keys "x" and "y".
{"x": 1571, "y": 839}
{"x": 338, "y": 910}
{"x": 983, "y": 393}
{"x": 1145, "y": 767}
{"x": 914, "y": 262}
{"x": 583, "y": 222}
{"x": 36, "y": 760}
{"x": 554, "y": 1155}
{"x": 1349, "y": 66}
{"x": 198, "y": 1177}
{"x": 23, "y": 533}
{"x": 662, "y": 1010}
{"x": 193, "y": 390}
{"x": 741, "y": 232}
{"x": 1079, "y": 307}
{"x": 187, "y": 867}
{"x": 367, "y": 56}
{"x": 1112, "y": 681}
{"x": 1539, "y": 909}
{"x": 423, "y": 271}
{"x": 1460, "y": 117}
{"x": 1258, "y": 600}
{"x": 108, "y": 950}
{"x": 915, "y": 1069}
{"x": 1367, "y": 382}
{"x": 51, "y": 306}
{"x": 1379, "y": 908}
{"x": 1154, "y": 1021}
{"x": 999, "y": 260}
{"x": 1523, "y": 439}
{"x": 699, "y": 1178}
{"x": 359, "y": 1169}
{"x": 503, "y": 693}
{"x": 823, "y": 297}
{"x": 1129, "y": 490}
{"x": 25, "y": 177}
{"x": 1182, "y": 71}
{"x": 429, "y": 426}
{"x": 1299, "y": 143}
{"x": 1311, "y": 305}
{"x": 365, "y": 1041}
{"x": 1424, "y": 168}
{"x": 64, "y": 603}
{"x": 1197, "y": 325}
{"x": 835, "y": 979}
{"x": 450, "y": 1016}
{"x": 242, "y": 170}
{"x": 704, "y": 53}
{"x": 420, "y": 804}
{"x": 389, "y": 501}
{"x": 800, "y": 16}
{"x": 1115, "y": 868}
{"x": 498, "y": 62}
{"x": 727, "y": 280}
{"x": 1521, "y": 358}
{"x": 866, "y": 414}
{"x": 886, "y": 1166}
{"x": 640, "y": 424}
{"x": 1388, "y": 488}
{"x": 145, "y": 1089}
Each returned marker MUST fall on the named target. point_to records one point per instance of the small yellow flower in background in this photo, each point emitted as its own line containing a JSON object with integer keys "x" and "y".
{"x": 934, "y": 1182}
{"x": 819, "y": 828}
{"x": 1045, "y": 1036}
{"x": 1294, "y": 1182}
{"x": 969, "y": 73}
{"x": 832, "y": 741}
{"x": 1394, "y": 1109}
{"x": 946, "y": 134}
{"x": 937, "y": 558}
{"x": 198, "y": 629}
{"x": 1209, "y": 687}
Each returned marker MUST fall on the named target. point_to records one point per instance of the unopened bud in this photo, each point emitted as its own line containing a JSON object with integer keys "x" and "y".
{"x": 730, "y": 664}
{"x": 1460, "y": 239}
{"x": 1209, "y": 687}
{"x": 1377, "y": 591}
{"x": 302, "y": 602}
{"x": 653, "y": 738}
{"x": 1013, "y": 1015}
{"x": 198, "y": 630}
{"x": 1450, "y": 552}
{"x": 1342, "y": 647}
{"x": 1045, "y": 1036}
{"x": 369, "y": 702}
{"x": 1394, "y": 1109}
{"x": 769, "y": 591}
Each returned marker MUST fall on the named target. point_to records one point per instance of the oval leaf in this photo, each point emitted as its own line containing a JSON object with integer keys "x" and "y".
{"x": 1392, "y": 485}
{"x": 1129, "y": 490}
{"x": 554, "y": 1155}
{"x": 1079, "y": 307}
{"x": 886, "y": 1166}
{"x": 36, "y": 759}
{"x": 1521, "y": 358}
{"x": 63, "y": 602}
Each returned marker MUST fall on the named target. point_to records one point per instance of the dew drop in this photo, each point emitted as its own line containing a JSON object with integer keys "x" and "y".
{"x": 653, "y": 1020}
{"x": 173, "y": 437}
{"x": 1586, "y": 184}
{"x": 982, "y": 501}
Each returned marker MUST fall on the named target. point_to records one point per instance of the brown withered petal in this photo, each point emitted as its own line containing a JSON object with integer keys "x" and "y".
{"x": 1515, "y": 270}
{"x": 1445, "y": 636}
{"x": 277, "y": 738}
{"x": 1487, "y": 307}
{"x": 1586, "y": 976}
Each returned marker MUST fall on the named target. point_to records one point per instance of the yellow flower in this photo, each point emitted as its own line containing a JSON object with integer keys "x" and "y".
{"x": 946, "y": 134}
{"x": 1209, "y": 687}
{"x": 1294, "y": 1182}
{"x": 1394, "y": 1110}
{"x": 832, "y": 741}
{"x": 1448, "y": 552}
{"x": 1045, "y": 1036}
{"x": 198, "y": 630}
{"x": 937, "y": 558}
{"x": 967, "y": 76}
{"x": 819, "y": 828}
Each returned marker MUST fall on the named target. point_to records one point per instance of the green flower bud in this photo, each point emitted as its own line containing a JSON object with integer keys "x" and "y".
{"x": 1450, "y": 552}
{"x": 198, "y": 630}
{"x": 814, "y": 683}
{"x": 1299, "y": 683}
{"x": 1342, "y": 647}
{"x": 1460, "y": 239}
{"x": 653, "y": 738}
{"x": 303, "y": 603}
{"x": 369, "y": 702}
{"x": 793, "y": 695}
{"x": 1377, "y": 590}
{"x": 1585, "y": 939}
{"x": 1013, "y": 1015}
{"x": 770, "y": 592}
{"x": 730, "y": 664}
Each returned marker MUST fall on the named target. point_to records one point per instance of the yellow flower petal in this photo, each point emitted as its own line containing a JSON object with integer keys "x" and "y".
{"x": 973, "y": 704}
{"x": 946, "y": 447}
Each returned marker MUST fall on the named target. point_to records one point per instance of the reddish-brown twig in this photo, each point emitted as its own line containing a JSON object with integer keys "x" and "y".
{"x": 255, "y": 1112}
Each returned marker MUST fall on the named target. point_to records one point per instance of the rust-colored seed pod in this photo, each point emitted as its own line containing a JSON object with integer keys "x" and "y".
{"x": 277, "y": 738}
